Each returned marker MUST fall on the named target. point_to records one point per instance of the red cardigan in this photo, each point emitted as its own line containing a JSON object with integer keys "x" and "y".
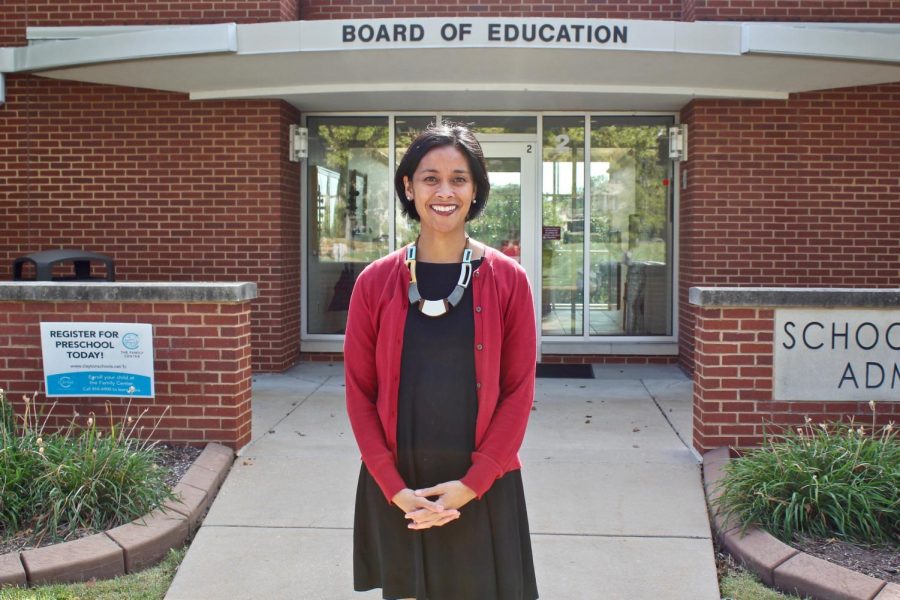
{"x": 505, "y": 353}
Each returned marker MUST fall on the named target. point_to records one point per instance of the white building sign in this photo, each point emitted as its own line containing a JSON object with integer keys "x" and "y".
{"x": 98, "y": 359}
{"x": 485, "y": 32}
{"x": 837, "y": 354}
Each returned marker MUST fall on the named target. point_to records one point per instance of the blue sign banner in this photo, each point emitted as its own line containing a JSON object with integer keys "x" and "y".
{"x": 98, "y": 383}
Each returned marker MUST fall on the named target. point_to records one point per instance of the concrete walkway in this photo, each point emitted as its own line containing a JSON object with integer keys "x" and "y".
{"x": 614, "y": 494}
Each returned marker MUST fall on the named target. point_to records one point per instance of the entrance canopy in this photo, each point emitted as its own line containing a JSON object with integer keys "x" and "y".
{"x": 470, "y": 63}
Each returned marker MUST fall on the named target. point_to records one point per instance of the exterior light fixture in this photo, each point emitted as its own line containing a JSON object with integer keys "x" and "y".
{"x": 299, "y": 143}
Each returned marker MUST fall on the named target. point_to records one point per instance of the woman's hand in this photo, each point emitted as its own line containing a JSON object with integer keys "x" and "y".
{"x": 423, "y": 512}
{"x": 451, "y": 495}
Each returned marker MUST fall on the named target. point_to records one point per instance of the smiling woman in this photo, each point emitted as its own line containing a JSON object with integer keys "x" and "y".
{"x": 438, "y": 415}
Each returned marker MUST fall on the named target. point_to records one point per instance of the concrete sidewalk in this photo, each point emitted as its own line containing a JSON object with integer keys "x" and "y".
{"x": 614, "y": 495}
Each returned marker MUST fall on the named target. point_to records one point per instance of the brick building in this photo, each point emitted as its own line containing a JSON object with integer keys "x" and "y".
{"x": 636, "y": 149}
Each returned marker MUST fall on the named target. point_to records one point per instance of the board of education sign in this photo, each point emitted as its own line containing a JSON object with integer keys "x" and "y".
{"x": 831, "y": 354}
{"x": 98, "y": 359}
{"x": 487, "y": 32}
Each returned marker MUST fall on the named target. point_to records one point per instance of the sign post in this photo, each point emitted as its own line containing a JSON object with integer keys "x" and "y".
{"x": 98, "y": 359}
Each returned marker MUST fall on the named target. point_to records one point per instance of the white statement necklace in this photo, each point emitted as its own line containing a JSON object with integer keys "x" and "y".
{"x": 439, "y": 308}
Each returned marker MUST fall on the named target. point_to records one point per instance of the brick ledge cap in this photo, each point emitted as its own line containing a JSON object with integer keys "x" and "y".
{"x": 99, "y": 291}
{"x": 796, "y": 297}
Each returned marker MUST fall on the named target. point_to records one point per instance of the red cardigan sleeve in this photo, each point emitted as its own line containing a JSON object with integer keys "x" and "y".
{"x": 518, "y": 354}
{"x": 361, "y": 387}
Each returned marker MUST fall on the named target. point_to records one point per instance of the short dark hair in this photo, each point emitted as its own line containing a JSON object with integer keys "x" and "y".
{"x": 436, "y": 136}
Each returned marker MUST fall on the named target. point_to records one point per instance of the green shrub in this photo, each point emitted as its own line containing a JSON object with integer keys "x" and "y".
{"x": 54, "y": 484}
{"x": 827, "y": 480}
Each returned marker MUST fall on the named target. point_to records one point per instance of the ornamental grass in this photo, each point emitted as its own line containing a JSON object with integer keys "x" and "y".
{"x": 53, "y": 485}
{"x": 827, "y": 480}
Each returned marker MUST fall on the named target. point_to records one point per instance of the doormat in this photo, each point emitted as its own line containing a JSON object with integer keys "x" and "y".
{"x": 565, "y": 371}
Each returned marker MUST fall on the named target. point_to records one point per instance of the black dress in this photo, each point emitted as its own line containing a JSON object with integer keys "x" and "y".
{"x": 486, "y": 553}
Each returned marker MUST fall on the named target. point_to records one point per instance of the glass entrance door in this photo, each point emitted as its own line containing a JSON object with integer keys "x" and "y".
{"x": 590, "y": 220}
{"x": 606, "y": 231}
{"x": 508, "y": 222}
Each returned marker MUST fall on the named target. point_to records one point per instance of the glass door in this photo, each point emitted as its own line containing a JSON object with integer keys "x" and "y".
{"x": 631, "y": 214}
{"x": 606, "y": 229}
{"x": 590, "y": 219}
{"x": 508, "y": 222}
{"x": 350, "y": 203}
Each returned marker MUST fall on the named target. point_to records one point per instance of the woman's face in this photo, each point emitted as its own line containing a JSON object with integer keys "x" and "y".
{"x": 442, "y": 189}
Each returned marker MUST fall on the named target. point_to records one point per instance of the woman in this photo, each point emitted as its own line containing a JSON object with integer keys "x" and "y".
{"x": 439, "y": 362}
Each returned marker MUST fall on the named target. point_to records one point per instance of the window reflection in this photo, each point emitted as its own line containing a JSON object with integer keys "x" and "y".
{"x": 405, "y": 131}
{"x": 482, "y": 124}
{"x": 349, "y": 212}
{"x": 627, "y": 282}
{"x": 562, "y": 243}
{"x": 499, "y": 225}
{"x": 630, "y": 174}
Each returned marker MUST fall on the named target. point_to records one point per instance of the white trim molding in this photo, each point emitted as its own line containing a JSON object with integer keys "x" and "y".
{"x": 142, "y": 44}
{"x": 819, "y": 42}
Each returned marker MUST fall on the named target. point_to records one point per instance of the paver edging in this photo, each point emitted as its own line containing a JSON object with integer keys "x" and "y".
{"x": 778, "y": 564}
{"x": 166, "y": 528}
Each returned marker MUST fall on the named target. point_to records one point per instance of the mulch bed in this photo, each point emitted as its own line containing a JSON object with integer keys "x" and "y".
{"x": 880, "y": 562}
{"x": 176, "y": 458}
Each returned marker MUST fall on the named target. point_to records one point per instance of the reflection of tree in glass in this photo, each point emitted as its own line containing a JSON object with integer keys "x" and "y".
{"x": 564, "y": 146}
{"x": 562, "y": 206}
{"x": 634, "y": 150}
{"x": 501, "y": 218}
{"x": 360, "y": 150}
{"x": 406, "y": 130}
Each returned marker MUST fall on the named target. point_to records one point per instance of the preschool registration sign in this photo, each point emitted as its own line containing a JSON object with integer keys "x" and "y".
{"x": 98, "y": 359}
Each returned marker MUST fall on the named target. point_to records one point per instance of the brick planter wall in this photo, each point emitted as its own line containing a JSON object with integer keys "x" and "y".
{"x": 201, "y": 363}
{"x": 733, "y": 382}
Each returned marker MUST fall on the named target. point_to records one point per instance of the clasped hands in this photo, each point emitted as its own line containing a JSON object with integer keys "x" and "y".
{"x": 425, "y": 513}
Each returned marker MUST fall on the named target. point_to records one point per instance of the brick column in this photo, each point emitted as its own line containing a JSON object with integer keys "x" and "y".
{"x": 732, "y": 375}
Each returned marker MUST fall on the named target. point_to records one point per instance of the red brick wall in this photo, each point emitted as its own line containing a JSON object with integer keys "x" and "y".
{"x": 669, "y": 10}
{"x": 290, "y": 10}
{"x": 803, "y": 192}
{"x": 17, "y": 14}
{"x": 792, "y": 10}
{"x": 202, "y": 367}
{"x": 733, "y": 403}
{"x": 278, "y": 339}
{"x": 688, "y": 10}
{"x": 173, "y": 190}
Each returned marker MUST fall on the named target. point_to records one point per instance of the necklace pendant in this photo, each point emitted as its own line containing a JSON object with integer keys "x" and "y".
{"x": 433, "y": 308}
{"x": 438, "y": 308}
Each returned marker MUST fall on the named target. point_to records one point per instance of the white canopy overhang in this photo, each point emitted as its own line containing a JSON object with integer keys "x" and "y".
{"x": 487, "y": 64}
